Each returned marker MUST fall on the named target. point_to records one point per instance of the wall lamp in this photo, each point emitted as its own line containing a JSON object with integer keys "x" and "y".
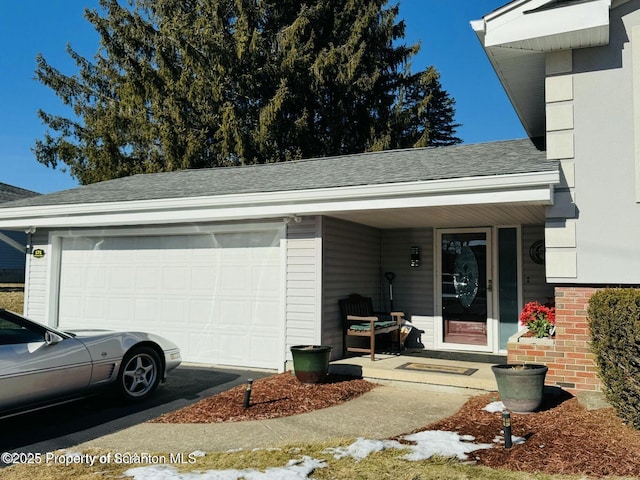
{"x": 415, "y": 257}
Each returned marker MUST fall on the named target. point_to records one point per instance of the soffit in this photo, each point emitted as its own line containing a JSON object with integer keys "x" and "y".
{"x": 517, "y": 37}
{"x": 449, "y": 216}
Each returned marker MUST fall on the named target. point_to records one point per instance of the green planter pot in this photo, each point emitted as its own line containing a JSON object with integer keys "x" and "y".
{"x": 311, "y": 362}
{"x": 521, "y": 386}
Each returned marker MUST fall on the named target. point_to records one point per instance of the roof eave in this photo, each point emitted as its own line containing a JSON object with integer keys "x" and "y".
{"x": 536, "y": 187}
{"x": 517, "y": 37}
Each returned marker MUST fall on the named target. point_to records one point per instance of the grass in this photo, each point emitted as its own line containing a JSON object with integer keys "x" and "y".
{"x": 13, "y": 301}
{"x": 377, "y": 466}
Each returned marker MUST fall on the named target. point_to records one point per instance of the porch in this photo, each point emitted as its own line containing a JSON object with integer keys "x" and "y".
{"x": 416, "y": 368}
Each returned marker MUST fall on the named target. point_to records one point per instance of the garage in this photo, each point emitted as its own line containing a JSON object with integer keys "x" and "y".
{"x": 217, "y": 295}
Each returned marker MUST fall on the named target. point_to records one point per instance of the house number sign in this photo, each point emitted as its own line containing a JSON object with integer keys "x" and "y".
{"x": 38, "y": 253}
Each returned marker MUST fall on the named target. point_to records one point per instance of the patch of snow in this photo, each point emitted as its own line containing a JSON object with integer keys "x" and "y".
{"x": 294, "y": 470}
{"x": 495, "y": 407}
{"x": 441, "y": 443}
{"x": 362, "y": 447}
{"x": 427, "y": 444}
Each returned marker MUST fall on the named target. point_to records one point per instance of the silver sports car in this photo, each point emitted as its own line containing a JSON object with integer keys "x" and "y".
{"x": 40, "y": 365}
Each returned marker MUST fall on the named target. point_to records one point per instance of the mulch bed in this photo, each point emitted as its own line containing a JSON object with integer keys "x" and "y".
{"x": 562, "y": 438}
{"x": 275, "y": 396}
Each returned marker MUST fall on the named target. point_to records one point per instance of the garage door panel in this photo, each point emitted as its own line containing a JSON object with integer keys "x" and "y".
{"x": 146, "y": 310}
{"x": 234, "y": 313}
{"x": 120, "y": 278}
{"x": 262, "y": 351}
{"x": 216, "y": 296}
{"x": 96, "y": 308}
{"x": 175, "y": 278}
{"x": 203, "y": 282}
{"x": 265, "y": 314}
{"x": 232, "y": 347}
{"x": 73, "y": 307}
{"x": 173, "y": 310}
{"x": 147, "y": 277}
{"x": 119, "y": 309}
{"x": 74, "y": 278}
{"x": 234, "y": 279}
{"x": 204, "y": 348}
{"x": 201, "y": 310}
{"x": 266, "y": 280}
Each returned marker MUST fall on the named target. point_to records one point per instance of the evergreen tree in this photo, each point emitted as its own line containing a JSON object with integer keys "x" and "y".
{"x": 201, "y": 83}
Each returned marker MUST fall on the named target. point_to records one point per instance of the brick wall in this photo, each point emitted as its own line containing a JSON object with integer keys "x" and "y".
{"x": 568, "y": 356}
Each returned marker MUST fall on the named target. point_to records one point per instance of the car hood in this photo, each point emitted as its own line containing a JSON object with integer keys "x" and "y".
{"x": 87, "y": 332}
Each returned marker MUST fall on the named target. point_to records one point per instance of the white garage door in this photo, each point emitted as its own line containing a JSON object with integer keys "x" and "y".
{"x": 217, "y": 295}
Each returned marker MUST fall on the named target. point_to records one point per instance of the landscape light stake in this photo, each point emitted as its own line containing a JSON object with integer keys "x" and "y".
{"x": 247, "y": 394}
{"x": 506, "y": 428}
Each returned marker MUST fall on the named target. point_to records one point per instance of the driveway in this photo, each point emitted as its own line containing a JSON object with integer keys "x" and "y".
{"x": 77, "y": 422}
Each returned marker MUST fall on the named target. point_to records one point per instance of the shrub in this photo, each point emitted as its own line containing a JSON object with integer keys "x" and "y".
{"x": 614, "y": 320}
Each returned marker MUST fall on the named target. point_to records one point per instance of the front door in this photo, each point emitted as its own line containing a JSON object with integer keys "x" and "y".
{"x": 464, "y": 290}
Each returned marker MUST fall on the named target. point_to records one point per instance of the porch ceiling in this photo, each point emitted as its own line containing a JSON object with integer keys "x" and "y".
{"x": 448, "y": 216}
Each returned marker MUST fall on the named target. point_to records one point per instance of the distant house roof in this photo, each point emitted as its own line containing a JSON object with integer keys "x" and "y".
{"x": 9, "y": 193}
{"x": 376, "y": 168}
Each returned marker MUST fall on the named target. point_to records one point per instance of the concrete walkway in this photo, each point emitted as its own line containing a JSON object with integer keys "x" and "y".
{"x": 384, "y": 412}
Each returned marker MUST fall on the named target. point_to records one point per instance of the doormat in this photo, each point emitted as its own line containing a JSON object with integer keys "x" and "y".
{"x": 460, "y": 356}
{"x": 431, "y": 368}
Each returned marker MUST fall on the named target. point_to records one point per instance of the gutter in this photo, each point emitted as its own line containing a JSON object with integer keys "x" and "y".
{"x": 534, "y": 187}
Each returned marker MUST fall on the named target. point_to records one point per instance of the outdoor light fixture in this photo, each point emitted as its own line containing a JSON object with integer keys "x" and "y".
{"x": 415, "y": 257}
{"x": 294, "y": 218}
{"x": 506, "y": 429}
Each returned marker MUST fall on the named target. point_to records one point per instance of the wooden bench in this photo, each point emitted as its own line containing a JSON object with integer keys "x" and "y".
{"x": 360, "y": 320}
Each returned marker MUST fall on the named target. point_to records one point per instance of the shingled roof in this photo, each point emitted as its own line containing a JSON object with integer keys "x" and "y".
{"x": 9, "y": 193}
{"x": 394, "y": 166}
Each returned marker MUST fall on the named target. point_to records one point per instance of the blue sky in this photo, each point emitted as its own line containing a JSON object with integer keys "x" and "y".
{"x": 46, "y": 26}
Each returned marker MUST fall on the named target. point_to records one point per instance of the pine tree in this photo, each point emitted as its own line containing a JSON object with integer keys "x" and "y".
{"x": 202, "y": 83}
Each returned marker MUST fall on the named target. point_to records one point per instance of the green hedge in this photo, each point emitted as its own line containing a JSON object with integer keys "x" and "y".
{"x": 614, "y": 320}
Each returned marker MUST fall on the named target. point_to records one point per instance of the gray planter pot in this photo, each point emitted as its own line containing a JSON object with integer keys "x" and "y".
{"x": 521, "y": 386}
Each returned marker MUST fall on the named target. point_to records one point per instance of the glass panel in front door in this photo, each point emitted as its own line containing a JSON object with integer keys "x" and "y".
{"x": 464, "y": 292}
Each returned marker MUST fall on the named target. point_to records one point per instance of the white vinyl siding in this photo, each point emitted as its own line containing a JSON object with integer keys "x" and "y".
{"x": 303, "y": 290}
{"x": 36, "y": 279}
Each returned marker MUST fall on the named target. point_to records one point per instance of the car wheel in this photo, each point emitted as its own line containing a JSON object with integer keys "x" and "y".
{"x": 140, "y": 374}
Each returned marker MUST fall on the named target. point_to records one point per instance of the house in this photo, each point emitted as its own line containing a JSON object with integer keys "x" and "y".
{"x": 12, "y": 244}
{"x": 238, "y": 264}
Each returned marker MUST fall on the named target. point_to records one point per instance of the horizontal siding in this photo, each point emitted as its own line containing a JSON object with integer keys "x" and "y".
{"x": 303, "y": 284}
{"x": 413, "y": 288}
{"x": 351, "y": 259}
{"x": 534, "y": 283}
{"x": 36, "y": 293}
